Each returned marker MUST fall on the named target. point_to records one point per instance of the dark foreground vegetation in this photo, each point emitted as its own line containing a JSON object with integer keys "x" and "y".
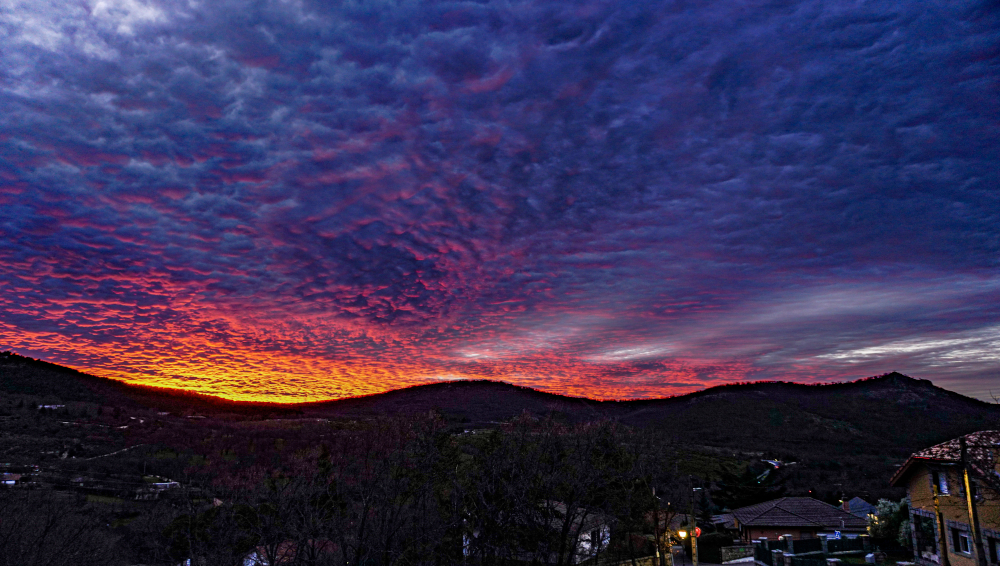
{"x": 388, "y": 491}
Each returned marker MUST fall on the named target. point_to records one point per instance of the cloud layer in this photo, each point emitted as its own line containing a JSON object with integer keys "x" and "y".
{"x": 296, "y": 200}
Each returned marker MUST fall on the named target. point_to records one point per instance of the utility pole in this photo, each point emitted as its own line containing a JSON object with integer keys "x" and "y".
{"x": 977, "y": 536}
{"x": 693, "y": 528}
{"x": 656, "y": 528}
{"x": 942, "y": 530}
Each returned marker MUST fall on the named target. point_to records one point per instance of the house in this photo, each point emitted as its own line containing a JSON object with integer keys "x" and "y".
{"x": 860, "y": 508}
{"x": 800, "y": 517}
{"x": 724, "y": 522}
{"x": 943, "y": 513}
{"x": 288, "y": 551}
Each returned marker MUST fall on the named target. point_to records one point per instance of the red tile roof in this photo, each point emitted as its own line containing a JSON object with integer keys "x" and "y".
{"x": 797, "y": 512}
{"x": 982, "y": 447}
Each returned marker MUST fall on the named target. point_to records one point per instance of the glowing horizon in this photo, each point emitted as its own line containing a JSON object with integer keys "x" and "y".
{"x": 296, "y": 200}
{"x": 297, "y": 398}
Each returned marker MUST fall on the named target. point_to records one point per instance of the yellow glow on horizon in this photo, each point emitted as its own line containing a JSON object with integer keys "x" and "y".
{"x": 237, "y": 370}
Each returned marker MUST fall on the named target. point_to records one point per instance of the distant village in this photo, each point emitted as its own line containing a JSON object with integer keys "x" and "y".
{"x": 950, "y": 517}
{"x": 464, "y": 474}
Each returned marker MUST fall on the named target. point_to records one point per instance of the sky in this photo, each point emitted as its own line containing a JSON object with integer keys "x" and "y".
{"x": 293, "y": 200}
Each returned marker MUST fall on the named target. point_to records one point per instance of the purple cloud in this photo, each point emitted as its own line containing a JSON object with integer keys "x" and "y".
{"x": 306, "y": 200}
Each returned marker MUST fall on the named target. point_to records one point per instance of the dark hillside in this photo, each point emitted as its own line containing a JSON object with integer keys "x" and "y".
{"x": 52, "y": 383}
{"x": 846, "y": 437}
{"x": 478, "y": 402}
{"x": 898, "y": 413}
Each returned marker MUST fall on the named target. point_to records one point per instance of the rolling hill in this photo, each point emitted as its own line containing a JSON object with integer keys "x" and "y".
{"x": 848, "y": 433}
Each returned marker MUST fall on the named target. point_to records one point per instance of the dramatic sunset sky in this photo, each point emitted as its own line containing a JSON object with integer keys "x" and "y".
{"x": 293, "y": 200}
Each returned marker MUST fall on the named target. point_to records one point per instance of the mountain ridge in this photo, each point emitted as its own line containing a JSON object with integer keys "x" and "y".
{"x": 849, "y": 433}
{"x": 721, "y": 412}
{"x": 9, "y": 359}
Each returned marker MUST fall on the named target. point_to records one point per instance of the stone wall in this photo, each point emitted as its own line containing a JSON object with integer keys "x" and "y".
{"x": 736, "y": 552}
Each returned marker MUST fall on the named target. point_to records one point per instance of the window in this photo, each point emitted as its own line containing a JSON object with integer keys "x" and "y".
{"x": 595, "y": 541}
{"x": 941, "y": 480}
{"x": 994, "y": 548}
{"x": 960, "y": 541}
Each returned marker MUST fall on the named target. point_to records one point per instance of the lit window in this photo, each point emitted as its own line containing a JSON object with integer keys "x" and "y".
{"x": 941, "y": 480}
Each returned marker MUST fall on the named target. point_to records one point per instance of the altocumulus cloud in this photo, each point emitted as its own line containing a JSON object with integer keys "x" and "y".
{"x": 296, "y": 200}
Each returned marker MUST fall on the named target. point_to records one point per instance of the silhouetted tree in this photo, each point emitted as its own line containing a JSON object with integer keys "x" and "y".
{"x": 47, "y": 529}
{"x": 741, "y": 486}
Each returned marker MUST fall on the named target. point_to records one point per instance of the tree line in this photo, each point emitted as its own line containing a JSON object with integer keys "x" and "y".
{"x": 394, "y": 491}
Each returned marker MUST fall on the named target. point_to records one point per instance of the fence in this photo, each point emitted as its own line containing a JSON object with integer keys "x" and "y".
{"x": 806, "y": 545}
{"x": 806, "y": 552}
{"x": 761, "y": 554}
{"x": 844, "y": 545}
{"x": 778, "y": 544}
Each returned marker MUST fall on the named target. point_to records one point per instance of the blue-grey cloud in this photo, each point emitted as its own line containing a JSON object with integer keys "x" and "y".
{"x": 605, "y": 198}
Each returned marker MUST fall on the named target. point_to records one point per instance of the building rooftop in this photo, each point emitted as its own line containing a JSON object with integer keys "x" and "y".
{"x": 859, "y": 507}
{"x": 796, "y": 512}
{"x": 982, "y": 448}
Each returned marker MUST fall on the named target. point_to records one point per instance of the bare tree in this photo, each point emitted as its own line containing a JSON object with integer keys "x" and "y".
{"x": 386, "y": 484}
{"x": 52, "y": 529}
{"x": 544, "y": 492}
